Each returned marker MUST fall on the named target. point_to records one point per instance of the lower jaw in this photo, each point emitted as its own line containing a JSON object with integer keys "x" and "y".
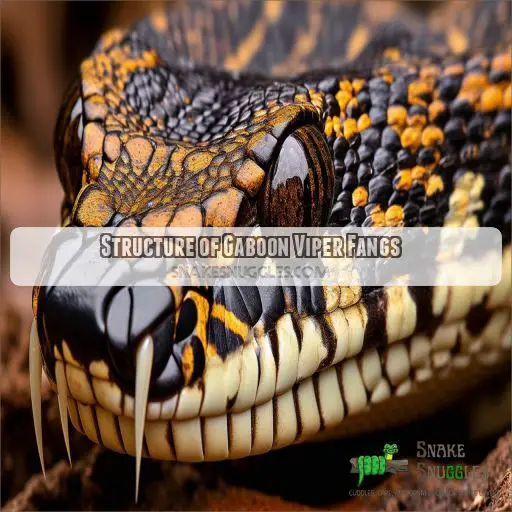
{"x": 369, "y": 391}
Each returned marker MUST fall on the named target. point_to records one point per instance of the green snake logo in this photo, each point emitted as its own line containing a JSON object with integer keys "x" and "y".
{"x": 375, "y": 464}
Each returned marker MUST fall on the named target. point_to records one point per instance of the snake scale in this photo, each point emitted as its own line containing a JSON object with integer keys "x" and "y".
{"x": 389, "y": 115}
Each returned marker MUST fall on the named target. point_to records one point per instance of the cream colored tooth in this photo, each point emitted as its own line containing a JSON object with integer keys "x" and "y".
{"x": 143, "y": 366}
{"x": 461, "y": 360}
{"x": 157, "y": 440}
{"x": 248, "y": 380}
{"x": 397, "y": 363}
{"x": 108, "y": 394}
{"x": 128, "y": 433}
{"x": 441, "y": 358}
{"x": 350, "y": 295}
{"x": 445, "y": 337}
{"x": 73, "y": 414}
{"x": 285, "y": 419}
{"x": 79, "y": 386}
{"x": 353, "y": 387}
{"x": 492, "y": 335}
{"x": 169, "y": 407}
{"x": 339, "y": 326}
{"x": 370, "y": 368}
{"x": 476, "y": 346}
{"x": 215, "y": 430}
{"x": 189, "y": 402}
{"x": 439, "y": 299}
{"x": 459, "y": 303}
{"x": 100, "y": 370}
{"x": 403, "y": 388}
{"x": 357, "y": 318}
{"x": 87, "y": 419}
{"x": 381, "y": 392}
{"x": 233, "y": 375}
{"x": 308, "y": 409}
{"x": 419, "y": 350}
{"x": 332, "y": 410}
{"x": 288, "y": 347}
{"x": 35, "y": 370}
{"x": 309, "y": 357}
{"x": 500, "y": 293}
{"x": 215, "y": 387}
{"x": 263, "y": 428}
{"x": 423, "y": 374}
{"x": 188, "y": 442}
{"x": 267, "y": 366}
{"x": 332, "y": 297}
{"x": 400, "y": 313}
{"x": 408, "y": 326}
{"x": 153, "y": 411}
{"x": 240, "y": 434}
{"x": 108, "y": 430}
{"x": 62, "y": 396}
{"x": 128, "y": 405}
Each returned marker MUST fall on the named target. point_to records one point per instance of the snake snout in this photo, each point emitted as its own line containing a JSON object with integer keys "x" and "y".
{"x": 107, "y": 325}
{"x": 133, "y": 314}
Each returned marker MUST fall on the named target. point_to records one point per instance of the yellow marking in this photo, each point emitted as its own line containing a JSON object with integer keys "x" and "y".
{"x": 435, "y": 184}
{"x": 159, "y": 20}
{"x": 492, "y": 99}
{"x": 394, "y": 216}
{"x": 231, "y": 321}
{"x": 404, "y": 181}
{"x": 349, "y": 128}
{"x": 248, "y": 48}
{"x": 392, "y": 54}
{"x": 457, "y": 40}
{"x": 305, "y": 42}
{"x": 364, "y": 122}
{"x": 187, "y": 363}
{"x": 357, "y": 41}
{"x": 343, "y": 98}
{"x": 360, "y": 196}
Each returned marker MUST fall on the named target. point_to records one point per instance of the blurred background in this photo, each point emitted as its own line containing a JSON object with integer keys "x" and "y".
{"x": 42, "y": 45}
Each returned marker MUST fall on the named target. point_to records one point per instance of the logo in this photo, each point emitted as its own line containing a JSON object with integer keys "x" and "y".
{"x": 370, "y": 465}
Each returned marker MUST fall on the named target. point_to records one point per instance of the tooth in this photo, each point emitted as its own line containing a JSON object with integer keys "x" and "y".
{"x": 62, "y": 395}
{"x": 35, "y": 367}
{"x": 143, "y": 364}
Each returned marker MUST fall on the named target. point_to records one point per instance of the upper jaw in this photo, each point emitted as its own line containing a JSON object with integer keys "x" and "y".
{"x": 94, "y": 325}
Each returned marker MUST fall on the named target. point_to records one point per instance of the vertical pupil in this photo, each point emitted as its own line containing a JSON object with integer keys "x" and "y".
{"x": 298, "y": 191}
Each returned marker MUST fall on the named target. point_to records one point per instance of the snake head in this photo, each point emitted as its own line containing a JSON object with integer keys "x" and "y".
{"x": 389, "y": 450}
{"x": 140, "y": 143}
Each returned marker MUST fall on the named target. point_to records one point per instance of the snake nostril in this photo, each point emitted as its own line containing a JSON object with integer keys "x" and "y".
{"x": 187, "y": 320}
{"x": 132, "y": 313}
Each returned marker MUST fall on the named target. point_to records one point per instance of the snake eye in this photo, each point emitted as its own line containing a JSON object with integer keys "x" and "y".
{"x": 299, "y": 188}
{"x": 68, "y": 143}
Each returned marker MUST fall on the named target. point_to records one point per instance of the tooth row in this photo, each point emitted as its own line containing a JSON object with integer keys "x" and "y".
{"x": 294, "y": 350}
{"x": 244, "y": 380}
{"x": 317, "y": 403}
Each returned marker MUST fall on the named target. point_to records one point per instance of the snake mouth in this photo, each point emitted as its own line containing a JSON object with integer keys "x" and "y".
{"x": 284, "y": 385}
{"x": 266, "y": 418}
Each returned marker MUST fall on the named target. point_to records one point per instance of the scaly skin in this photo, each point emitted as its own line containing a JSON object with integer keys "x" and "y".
{"x": 146, "y": 140}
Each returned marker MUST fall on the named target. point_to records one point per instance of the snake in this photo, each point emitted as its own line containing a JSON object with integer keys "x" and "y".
{"x": 278, "y": 114}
